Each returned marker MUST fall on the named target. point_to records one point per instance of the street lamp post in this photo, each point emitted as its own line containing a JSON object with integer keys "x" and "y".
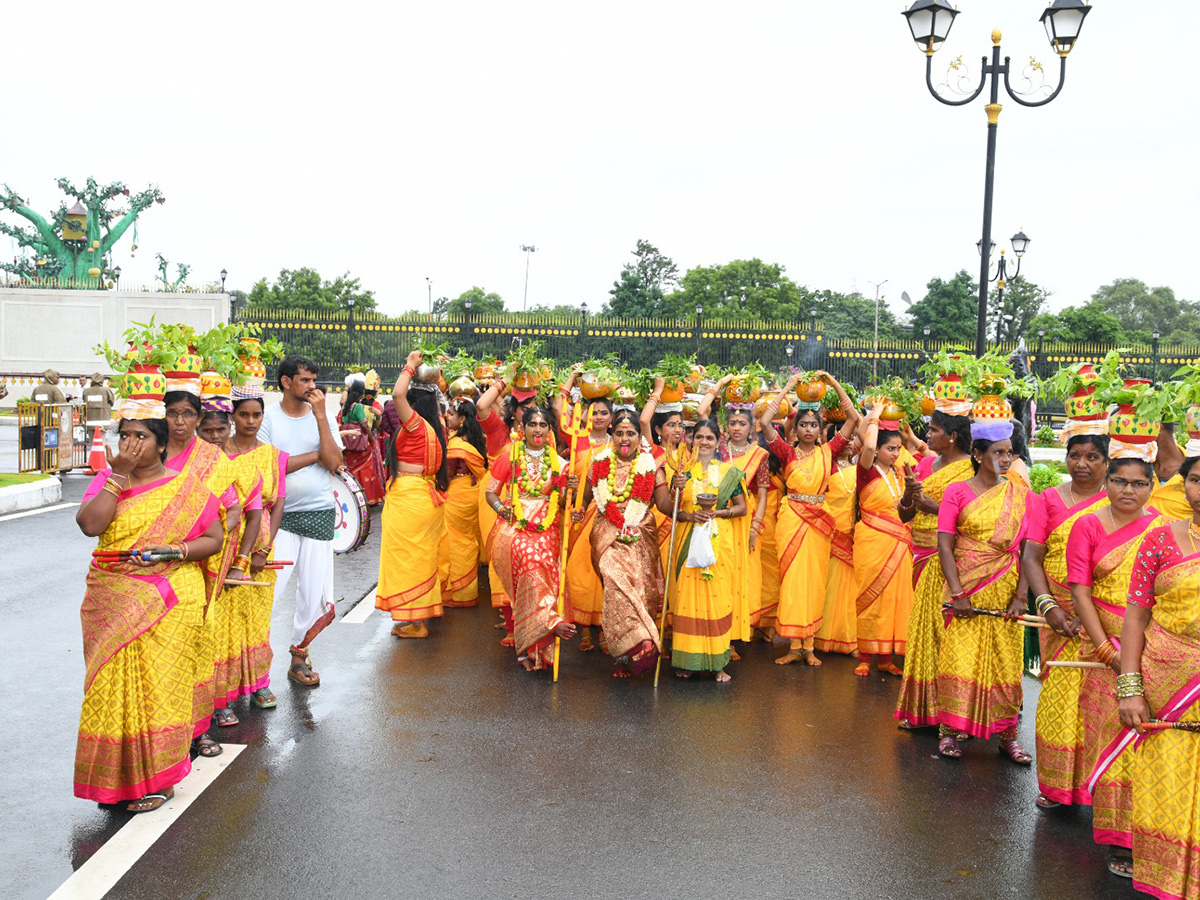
{"x": 1020, "y": 243}
{"x": 116, "y": 274}
{"x": 926, "y": 330}
{"x": 529, "y": 249}
{"x": 699, "y": 322}
{"x": 1041, "y": 339}
{"x": 788, "y": 351}
{"x": 1154, "y": 369}
{"x": 930, "y": 21}
{"x": 224, "y": 275}
{"x": 429, "y": 291}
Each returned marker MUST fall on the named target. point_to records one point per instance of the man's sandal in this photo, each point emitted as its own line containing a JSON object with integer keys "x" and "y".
{"x": 301, "y": 671}
{"x": 263, "y": 699}
{"x": 206, "y": 746}
{"x": 150, "y": 802}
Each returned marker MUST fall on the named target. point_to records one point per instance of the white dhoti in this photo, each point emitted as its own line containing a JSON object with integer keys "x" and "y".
{"x": 313, "y": 568}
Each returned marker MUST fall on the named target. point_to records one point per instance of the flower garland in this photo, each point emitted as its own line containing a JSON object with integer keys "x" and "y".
{"x": 637, "y": 493}
{"x": 523, "y": 480}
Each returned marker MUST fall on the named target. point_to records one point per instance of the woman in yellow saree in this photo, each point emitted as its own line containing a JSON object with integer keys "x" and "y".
{"x": 256, "y": 602}
{"x": 949, "y": 436}
{"x": 624, "y": 544}
{"x": 467, "y": 464}
{"x": 883, "y": 574}
{"x": 980, "y": 524}
{"x": 1061, "y": 766}
{"x": 839, "y": 618}
{"x": 230, "y": 614}
{"x": 527, "y": 544}
{"x": 751, "y": 457}
{"x": 139, "y": 618}
{"x": 585, "y": 592}
{"x": 409, "y": 588}
{"x": 702, "y": 607}
{"x": 189, "y": 455}
{"x": 1100, "y": 555}
{"x": 1160, "y": 677}
{"x": 804, "y": 529}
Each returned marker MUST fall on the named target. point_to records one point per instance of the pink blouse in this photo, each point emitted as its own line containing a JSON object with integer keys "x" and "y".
{"x": 1047, "y": 510}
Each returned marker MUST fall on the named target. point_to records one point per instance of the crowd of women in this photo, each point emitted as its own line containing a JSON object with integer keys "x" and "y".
{"x": 664, "y": 534}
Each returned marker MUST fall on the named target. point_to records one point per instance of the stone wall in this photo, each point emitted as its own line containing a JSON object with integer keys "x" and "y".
{"x": 57, "y": 329}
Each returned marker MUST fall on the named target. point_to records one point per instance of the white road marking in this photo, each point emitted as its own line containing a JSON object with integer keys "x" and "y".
{"x": 362, "y": 609}
{"x": 35, "y": 512}
{"x": 108, "y": 865}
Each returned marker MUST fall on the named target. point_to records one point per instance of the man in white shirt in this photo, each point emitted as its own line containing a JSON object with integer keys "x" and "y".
{"x": 299, "y": 426}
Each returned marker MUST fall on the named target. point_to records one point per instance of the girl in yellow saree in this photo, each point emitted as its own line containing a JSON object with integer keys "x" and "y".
{"x": 949, "y": 436}
{"x": 702, "y": 607}
{"x": 804, "y": 529}
{"x": 883, "y": 574}
{"x": 1100, "y": 557}
{"x": 139, "y": 621}
{"x": 467, "y": 463}
{"x": 980, "y": 524}
{"x": 1160, "y": 677}
{"x": 839, "y": 620}
{"x": 1061, "y": 765}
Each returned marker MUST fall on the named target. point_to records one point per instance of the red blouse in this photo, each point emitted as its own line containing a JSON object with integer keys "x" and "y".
{"x": 417, "y": 444}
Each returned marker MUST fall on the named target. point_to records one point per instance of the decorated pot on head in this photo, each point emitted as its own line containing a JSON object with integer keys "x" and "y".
{"x": 950, "y": 395}
{"x": 485, "y": 373}
{"x": 1130, "y": 435}
{"x": 743, "y": 389}
{"x": 463, "y": 386}
{"x": 991, "y": 419}
{"x": 1192, "y": 421}
{"x": 690, "y": 408}
{"x": 812, "y": 391}
{"x": 188, "y": 364}
{"x": 672, "y": 391}
{"x": 593, "y": 388}
{"x": 760, "y": 406}
{"x": 1085, "y": 414}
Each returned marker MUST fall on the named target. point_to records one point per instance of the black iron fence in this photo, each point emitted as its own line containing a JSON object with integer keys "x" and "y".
{"x": 344, "y": 339}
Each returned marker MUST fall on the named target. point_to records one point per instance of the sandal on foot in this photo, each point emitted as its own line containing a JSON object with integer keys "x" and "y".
{"x": 206, "y": 746}
{"x": 891, "y": 669}
{"x": 225, "y": 718}
{"x": 150, "y": 802}
{"x": 302, "y": 673}
{"x": 263, "y": 699}
{"x": 585, "y": 643}
{"x": 862, "y": 670}
{"x": 1118, "y": 863}
{"x": 1044, "y": 802}
{"x": 906, "y": 725}
{"x": 1014, "y": 751}
{"x": 948, "y": 747}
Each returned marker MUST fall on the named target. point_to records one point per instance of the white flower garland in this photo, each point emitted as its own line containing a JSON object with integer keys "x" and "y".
{"x": 635, "y": 510}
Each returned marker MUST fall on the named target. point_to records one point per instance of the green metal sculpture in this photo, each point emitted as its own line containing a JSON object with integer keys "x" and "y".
{"x": 72, "y": 248}
{"x": 178, "y": 283}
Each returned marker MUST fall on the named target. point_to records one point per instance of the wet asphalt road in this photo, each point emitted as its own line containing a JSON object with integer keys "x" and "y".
{"x": 440, "y": 769}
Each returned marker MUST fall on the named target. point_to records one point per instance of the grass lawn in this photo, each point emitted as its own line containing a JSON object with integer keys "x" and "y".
{"x": 9, "y": 479}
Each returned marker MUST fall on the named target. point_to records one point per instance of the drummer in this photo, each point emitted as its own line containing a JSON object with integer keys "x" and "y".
{"x": 300, "y": 426}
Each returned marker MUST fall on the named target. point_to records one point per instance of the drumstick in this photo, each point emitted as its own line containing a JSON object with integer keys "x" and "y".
{"x": 1066, "y": 664}
{"x": 236, "y": 582}
{"x": 1025, "y": 620}
{"x": 1159, "y": 725}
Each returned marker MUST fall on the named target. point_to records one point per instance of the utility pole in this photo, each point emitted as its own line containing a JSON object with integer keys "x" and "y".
{"x": 875, "y": 353}
{"x": 528, "y": 248}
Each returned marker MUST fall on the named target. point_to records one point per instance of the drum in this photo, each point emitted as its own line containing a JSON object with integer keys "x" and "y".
{"x": 353, "y": 520}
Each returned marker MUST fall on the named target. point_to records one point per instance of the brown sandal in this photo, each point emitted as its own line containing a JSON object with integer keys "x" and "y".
{"x": 301, "y": 670}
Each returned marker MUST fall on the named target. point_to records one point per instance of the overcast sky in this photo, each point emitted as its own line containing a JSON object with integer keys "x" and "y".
{"x": 400, "y": 141}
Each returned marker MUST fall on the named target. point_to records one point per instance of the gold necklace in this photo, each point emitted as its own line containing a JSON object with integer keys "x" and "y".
{"x": 1193, "y": 533}
{"x": 1071, "y": 491}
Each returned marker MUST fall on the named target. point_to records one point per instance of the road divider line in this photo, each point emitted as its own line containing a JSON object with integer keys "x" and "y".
{"x": 108, "y": 865}
{"x": 35, "y": 512}
{"x": 362, "y": 609}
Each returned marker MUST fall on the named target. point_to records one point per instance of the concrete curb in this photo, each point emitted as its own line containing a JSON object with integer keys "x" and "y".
{"x": 20, "y": 497}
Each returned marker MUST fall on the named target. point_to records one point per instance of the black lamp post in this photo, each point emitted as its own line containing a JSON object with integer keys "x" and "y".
{"x": 926, "y": 330}
{"x": 116, "y": 274}
{"x": 699, "y": 322}
{"x": 1154, "y": 369}
{"x": 1041, "y": 339}
{"x": 467, "y": 304}
{"x": 224, "y": 275}
{"x": 930, "y": 21}
{"x": 1020, "y": 243}
{"x": 788, "y": 351}
{"x": 812, "y": 315}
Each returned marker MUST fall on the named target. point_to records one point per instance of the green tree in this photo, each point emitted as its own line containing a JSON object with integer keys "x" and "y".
{"x": 1078, "y": 325}
{"x": 305, "y": 289}
{"x": 483, "y": 303}
{"x": 851, "y": 316}
{"x": 1141, "y": 310}
{"x": 949, "y": 308}
{"x": 745, "y": 289}
{"x": 1023, "y": 302}
{"x": 641, "y": 289}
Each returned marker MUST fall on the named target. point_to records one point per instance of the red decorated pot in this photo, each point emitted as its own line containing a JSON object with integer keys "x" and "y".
{"x": 992, "y": 406}
{"x": 1126, "y": 425}
{"x": 950, "y": 387}
{"x": 187, "y": 365}
{"x": 144, "y": 382}
{"x": 214, "y": 384}
{"x": 1193, "y": 421}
